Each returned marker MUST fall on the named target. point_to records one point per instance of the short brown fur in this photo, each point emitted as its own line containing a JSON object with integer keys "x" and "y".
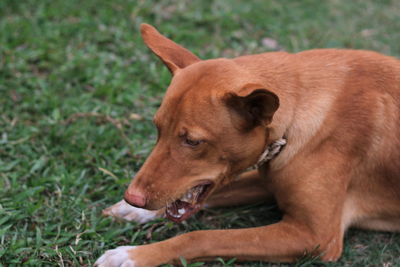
{"x": 340, "y": 113}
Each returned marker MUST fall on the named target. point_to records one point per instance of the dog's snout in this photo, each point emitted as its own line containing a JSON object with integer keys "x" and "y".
{"x": 135, "y": 198}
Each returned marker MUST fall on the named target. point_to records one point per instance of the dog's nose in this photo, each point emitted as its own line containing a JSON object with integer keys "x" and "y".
{"x": 135, "y": 198}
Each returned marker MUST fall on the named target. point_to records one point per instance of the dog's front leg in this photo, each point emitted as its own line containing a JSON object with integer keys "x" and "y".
{"x": 282, "y": 242}
{"x": 312, "y": 225}
{"x": 248, "y": 188}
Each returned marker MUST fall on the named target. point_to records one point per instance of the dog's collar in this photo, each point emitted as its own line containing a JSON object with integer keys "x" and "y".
{"x": 270, "y": 152}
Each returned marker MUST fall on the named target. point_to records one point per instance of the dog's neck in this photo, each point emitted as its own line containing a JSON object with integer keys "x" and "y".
{"x": 299, "y": 116}
{"x": 304, "y": 103}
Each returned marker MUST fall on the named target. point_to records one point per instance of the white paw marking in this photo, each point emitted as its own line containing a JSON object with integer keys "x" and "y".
{"x": 118, "y": 257}
{"x": 125, "y": 211}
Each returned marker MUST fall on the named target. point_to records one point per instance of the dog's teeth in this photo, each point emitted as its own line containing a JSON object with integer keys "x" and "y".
{"x": 181, "y": 211}
{"x": 188, "y": 196}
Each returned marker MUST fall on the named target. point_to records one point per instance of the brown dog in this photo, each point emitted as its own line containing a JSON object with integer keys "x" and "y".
{"x": 339, "y": 111}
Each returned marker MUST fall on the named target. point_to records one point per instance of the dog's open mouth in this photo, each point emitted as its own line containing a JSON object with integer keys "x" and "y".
{"x": 189, "y": 203}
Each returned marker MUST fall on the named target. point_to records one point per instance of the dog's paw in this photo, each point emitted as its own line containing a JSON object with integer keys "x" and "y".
{"x": 118, "y": 257}
{"x": 123, "y": 210}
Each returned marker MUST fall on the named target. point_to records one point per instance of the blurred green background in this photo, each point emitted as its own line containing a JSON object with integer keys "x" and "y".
{"x": 77, "y": 93}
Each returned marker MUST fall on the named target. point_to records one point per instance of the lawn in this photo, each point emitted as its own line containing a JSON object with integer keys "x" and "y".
{"x": 77, "y": 93}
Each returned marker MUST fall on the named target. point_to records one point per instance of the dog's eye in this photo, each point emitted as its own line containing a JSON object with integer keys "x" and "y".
{"x": 192, "y": 143}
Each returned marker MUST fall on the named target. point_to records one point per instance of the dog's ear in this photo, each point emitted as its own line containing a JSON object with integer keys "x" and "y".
{"x": 253, "y": 106}
{"x": 174, "y": 56}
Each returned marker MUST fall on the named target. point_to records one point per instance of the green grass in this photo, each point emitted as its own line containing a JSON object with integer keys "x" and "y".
{"x": 60, "y": 58}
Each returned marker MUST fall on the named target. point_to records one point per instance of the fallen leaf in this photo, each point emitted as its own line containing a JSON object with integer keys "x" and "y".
{"x": 270, "y": 43}
{"x": 135, "y": 116}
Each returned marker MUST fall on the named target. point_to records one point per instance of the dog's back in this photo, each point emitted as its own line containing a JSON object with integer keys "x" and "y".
{"x": 351, "y": 100}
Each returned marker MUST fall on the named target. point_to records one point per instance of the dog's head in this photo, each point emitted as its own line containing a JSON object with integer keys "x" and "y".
{"x": 212, "y": 124}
